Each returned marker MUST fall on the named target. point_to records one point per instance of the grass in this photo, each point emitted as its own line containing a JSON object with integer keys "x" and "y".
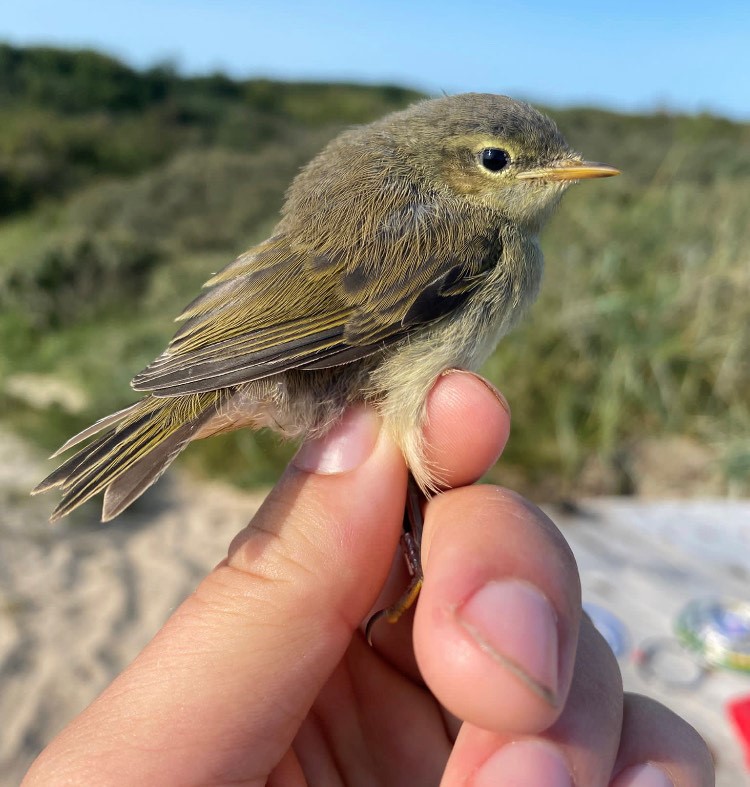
{"x": 116, "y": 212}
{"x": 642, "y": 329}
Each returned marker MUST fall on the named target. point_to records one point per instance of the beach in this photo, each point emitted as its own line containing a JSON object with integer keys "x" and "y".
{"x": 78, "y": 599}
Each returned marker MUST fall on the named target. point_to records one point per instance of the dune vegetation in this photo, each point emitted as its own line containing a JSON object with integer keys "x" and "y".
{"x": 122, "y": 190}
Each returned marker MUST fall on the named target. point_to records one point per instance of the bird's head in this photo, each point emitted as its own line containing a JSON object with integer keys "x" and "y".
{"x": 438, "y": 158}
{"x": 491, "y": 150}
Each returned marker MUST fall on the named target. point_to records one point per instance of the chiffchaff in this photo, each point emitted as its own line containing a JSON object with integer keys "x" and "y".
{"x": 406, "y": 247}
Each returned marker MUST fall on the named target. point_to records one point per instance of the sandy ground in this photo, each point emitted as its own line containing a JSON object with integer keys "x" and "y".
{"x": 78, "y": 600}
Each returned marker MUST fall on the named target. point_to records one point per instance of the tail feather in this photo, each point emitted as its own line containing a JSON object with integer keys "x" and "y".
{"x": 95, "y": 428}
{"x": 66, "y": 471}
{"x": 96, "y": 469}
{"x": 86, "y": 458}
{"x": 142, "y": 442}
{"x": 146, "y": 471}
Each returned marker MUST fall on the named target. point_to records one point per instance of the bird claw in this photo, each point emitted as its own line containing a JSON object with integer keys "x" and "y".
{"x": 411, "y": 547}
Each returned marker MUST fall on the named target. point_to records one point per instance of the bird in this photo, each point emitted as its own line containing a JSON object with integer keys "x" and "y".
{"x": 404, "y": 248}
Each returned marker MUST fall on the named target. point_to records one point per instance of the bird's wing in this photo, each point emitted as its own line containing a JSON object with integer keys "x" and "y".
{"x": 278, "y": 307}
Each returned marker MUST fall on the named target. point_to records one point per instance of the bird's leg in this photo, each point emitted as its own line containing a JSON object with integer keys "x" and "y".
{"x": 411, "y": 547}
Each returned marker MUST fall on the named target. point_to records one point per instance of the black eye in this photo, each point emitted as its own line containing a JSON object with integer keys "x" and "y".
{"x": 494, "y": 159}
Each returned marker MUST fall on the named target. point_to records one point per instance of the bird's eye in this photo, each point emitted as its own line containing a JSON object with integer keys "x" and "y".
{"x": 494, "y": 159}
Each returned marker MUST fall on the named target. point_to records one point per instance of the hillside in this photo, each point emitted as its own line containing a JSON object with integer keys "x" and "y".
{"x": 121, "y": 191}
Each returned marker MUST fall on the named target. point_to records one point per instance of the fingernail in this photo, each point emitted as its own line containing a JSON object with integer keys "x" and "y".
{"x": 345, "y": 446}
{"x": 515, "y": 624}
{"x": 525, "y": 762}
{"x": 486, "y": 383}
{"x": 646, "y": 775}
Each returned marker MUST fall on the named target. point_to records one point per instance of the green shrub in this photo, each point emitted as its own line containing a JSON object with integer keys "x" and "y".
{"x": 122, "y": 191}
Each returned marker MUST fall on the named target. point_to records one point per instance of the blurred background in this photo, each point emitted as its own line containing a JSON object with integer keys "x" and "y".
{"x": 143, "y": 145}
{"x": 132, "y": 169}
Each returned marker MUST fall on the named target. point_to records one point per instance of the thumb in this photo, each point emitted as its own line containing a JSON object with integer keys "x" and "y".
{"x": 238, "y": 665}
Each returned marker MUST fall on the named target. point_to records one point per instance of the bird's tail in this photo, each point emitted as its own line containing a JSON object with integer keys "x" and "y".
{"x": 140, "y": 443}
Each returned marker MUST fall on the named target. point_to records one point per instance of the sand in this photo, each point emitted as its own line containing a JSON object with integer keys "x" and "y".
{"x": 80, "y": 599}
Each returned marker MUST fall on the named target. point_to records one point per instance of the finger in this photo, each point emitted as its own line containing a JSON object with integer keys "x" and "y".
{"x": 467, "y": 427}
{"x": 468, "y": 424}
{"x": 659, "y": 749}
{"x": 496, "y": 628}
{"x": 219, "y": 693}
{"x": 281, "y": 587}
{"x": 582, "y": 742}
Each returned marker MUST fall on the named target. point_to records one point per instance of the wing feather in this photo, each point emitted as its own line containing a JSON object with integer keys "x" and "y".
{"x": 281, "y": 307}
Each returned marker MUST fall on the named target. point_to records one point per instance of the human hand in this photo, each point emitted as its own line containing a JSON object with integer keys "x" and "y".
{"x": 262, "y": 676}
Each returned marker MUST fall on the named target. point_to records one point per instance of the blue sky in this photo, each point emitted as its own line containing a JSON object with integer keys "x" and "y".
{"x": 640, "y": 55}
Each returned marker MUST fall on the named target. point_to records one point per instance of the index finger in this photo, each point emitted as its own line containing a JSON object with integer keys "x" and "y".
{"x": 219, "y": 693}
{"x": 221, "y": 690}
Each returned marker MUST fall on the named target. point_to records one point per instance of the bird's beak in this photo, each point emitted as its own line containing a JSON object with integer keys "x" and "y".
{"x": 572, "y": 169}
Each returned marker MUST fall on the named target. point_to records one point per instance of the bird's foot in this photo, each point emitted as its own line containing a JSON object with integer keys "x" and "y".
{"x": 411, "y": 547}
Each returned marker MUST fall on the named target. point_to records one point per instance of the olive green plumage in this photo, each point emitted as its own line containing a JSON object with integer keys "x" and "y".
{"x": 404, "y": 248}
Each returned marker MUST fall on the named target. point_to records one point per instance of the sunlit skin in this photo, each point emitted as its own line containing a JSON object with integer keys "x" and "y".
{"x": 263, "y": 677}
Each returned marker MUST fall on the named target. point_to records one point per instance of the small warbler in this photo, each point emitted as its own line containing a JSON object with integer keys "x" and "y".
{"x": 406, "y": 247}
